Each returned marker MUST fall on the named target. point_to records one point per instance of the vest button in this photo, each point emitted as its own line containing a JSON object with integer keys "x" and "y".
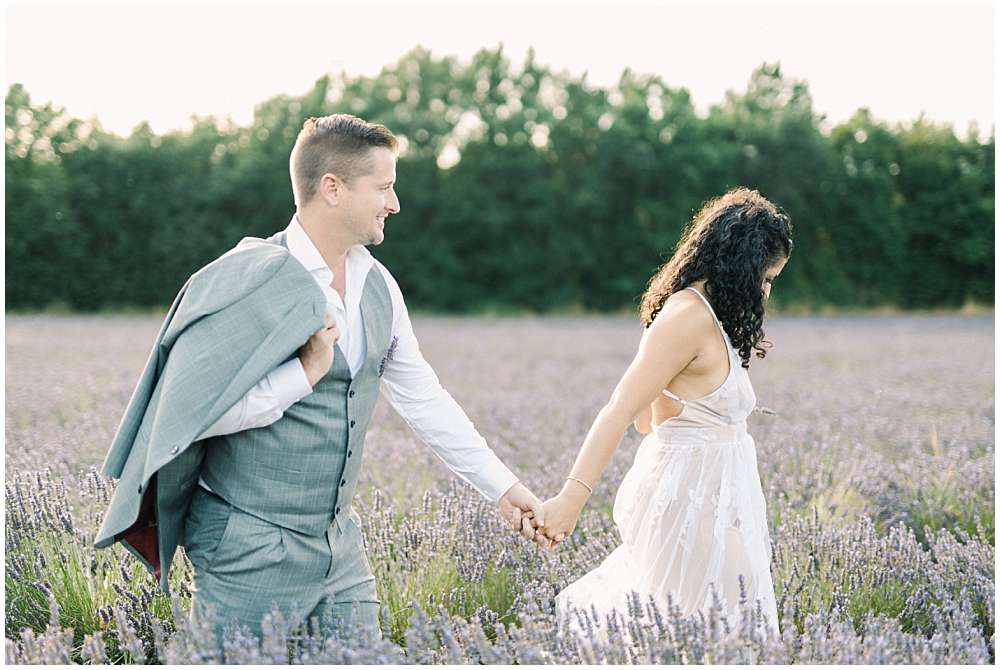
{"x": 140, "y": 488}
{"x": 343, "y": 481}
{"x": 338, "y": 511}
{"x": 349, "y": 452}
{"x": 351, "y": 394}
{"x": 352, "y": 423}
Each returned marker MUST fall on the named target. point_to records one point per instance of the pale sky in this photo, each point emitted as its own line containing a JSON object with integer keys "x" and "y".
{"x": 163, "y": 64}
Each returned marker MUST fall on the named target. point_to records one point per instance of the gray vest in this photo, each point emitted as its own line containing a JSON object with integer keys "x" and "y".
{"x": 300, "y": 471}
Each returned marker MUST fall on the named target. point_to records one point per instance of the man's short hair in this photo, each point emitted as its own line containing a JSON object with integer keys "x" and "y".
{"x": 338, "y": 144}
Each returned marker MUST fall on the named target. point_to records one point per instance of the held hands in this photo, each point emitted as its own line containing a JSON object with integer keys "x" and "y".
{"x": 316, "y": 354}
{"x": 546, "y": 524}
{"x": 562, "y": 513}
{"x": 523, "y": 511}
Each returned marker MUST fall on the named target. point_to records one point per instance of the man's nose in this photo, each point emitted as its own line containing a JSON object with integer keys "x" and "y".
{"x": 394, "y": 204}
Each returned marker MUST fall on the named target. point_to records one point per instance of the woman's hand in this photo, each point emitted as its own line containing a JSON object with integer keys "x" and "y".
{"x": 562, "y": 513}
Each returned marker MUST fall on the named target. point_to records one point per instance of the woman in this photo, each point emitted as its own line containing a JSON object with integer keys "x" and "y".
{"x": 690, "y": 511}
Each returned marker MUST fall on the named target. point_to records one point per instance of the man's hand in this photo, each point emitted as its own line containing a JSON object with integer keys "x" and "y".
{"x": 523, "y": 511}
{"x": 317, "y": 353}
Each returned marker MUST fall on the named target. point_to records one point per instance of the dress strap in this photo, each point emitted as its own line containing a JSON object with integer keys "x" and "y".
{"x": 671, "y": 394}
{"x": 709, "y": 305}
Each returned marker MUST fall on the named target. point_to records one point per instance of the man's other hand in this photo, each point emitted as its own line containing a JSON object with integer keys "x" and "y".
{"x": 316, "y": 354}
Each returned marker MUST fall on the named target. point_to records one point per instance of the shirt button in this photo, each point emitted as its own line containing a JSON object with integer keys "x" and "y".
{"x": 351, "y": 394}
{"x": 174, "y": 449}
{"x": 352, "y": 423}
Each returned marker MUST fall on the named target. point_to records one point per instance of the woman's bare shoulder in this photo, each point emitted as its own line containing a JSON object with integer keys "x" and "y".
{"x": 684, "y": 313}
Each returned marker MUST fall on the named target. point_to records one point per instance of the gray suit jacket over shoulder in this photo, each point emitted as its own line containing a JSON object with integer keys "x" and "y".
{"x": 233, "y": 322}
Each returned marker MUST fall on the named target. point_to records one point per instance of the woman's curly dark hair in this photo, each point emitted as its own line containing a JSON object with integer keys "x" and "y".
{"x": 730, "y": 243}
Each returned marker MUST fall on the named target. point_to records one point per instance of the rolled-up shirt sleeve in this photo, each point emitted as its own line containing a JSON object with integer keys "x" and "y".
{"x": 412, "y": 388}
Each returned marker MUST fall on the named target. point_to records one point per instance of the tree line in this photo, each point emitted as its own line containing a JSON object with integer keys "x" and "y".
{"x": 522, "y": 188}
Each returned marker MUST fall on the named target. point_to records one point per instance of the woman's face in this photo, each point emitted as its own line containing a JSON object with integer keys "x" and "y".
{"x": 770, "y": 274}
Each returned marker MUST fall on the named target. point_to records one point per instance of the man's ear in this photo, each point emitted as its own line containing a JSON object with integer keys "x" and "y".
{"x": 331, "y": 189}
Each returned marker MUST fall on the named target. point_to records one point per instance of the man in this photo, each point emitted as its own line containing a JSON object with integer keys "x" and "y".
{"x": 244, "y": 444}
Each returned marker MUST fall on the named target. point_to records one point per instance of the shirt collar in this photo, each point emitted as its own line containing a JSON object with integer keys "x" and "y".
{"x": 305, "y": 252}
{"x": 303, "y": 249}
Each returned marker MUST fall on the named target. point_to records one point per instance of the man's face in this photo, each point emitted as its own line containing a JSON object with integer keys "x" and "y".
{"x": 369, "y": 199}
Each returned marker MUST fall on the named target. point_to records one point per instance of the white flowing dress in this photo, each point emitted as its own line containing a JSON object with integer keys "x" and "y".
{"x": 691, "y": 513}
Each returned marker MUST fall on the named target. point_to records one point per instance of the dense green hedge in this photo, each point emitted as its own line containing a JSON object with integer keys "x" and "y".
{"x": 566, "y": 195}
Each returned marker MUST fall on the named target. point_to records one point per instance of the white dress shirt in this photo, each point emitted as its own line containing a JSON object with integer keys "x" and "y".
{"x": 409, "y": 383}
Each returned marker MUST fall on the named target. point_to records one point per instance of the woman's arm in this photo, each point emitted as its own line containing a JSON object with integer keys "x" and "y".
{"x": 668, "y": 346}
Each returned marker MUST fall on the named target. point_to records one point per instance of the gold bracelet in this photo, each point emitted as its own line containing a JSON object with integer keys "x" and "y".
{"x": 585, "y": 485}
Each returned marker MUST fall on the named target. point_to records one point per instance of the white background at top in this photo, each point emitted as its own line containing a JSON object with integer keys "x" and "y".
{"x": 163, "y": 64}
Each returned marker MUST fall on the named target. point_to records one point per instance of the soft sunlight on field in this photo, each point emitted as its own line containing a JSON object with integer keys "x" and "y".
{"x": 875, "y": 452}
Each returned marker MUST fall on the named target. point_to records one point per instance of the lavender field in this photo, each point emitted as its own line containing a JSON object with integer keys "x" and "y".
{"x": 875, "y": 447}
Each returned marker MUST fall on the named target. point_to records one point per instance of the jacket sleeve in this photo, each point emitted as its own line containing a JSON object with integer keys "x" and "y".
{"x": 214, "y": 288}
{"x": 266, "y": 402}
{"x": 128, "y": 427}
{"x": 219, "y": 357}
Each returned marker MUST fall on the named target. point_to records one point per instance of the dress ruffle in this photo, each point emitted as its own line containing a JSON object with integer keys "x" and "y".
{"x": 690, "y": 515}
